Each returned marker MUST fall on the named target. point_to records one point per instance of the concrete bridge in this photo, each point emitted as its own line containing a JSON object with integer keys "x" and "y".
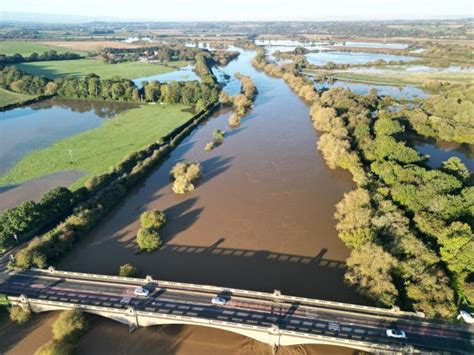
{"x": 271, "y": 318}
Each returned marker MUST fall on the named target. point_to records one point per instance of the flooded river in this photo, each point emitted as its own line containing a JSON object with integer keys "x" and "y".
{"x": 261, "y": 218}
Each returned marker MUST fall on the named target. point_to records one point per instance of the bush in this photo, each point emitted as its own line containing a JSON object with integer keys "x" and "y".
{"x": 19, "y": 315}
{"x": 184, "y": 174}
{"x": 152, "y": 219}
{"x": 148, "y": 239}
{"x": 55, "y": 347}
{"x": 209, "y": 146}
{"x": 128, "y": 270}
{"x": 218, "y": 135}
{"x": 234, "y": 120}
{"x": 69, "y": 325}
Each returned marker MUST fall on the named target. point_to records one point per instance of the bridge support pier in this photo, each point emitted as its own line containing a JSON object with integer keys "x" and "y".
{"x": 132, "y": 319}
{"x": 25, "y": 303}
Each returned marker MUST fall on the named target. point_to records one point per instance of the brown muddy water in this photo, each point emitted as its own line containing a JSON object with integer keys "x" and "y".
{"x": 261, "y": 218}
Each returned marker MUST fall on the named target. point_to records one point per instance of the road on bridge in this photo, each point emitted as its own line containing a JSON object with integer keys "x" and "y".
{"x": 293, "y": 316}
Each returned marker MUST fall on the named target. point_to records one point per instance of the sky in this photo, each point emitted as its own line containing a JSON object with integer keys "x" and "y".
{"x": 241, "y": 10}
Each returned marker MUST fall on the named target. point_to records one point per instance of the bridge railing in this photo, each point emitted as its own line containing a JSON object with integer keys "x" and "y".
{"x": 235, "y": 291}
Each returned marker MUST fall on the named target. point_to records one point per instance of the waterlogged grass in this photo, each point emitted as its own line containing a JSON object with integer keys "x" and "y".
{"x": 9, "y": 97}
{"x": 26, "y": 48}
{"x": 82, "y": 67}
{"x": 96, "y": 150}
{"x": 406, "y": 78}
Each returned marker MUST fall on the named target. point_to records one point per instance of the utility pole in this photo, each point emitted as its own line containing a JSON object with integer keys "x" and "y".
{"x": 70, "y": 155}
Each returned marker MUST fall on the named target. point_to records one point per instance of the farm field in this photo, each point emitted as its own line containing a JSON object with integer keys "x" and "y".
{"x": 9, "y": 97}
{"x": 89, "y": 45}
{"x": 82, "y": 67}
{"x": 96, "y": 150}
{"x": 25, "y": 48}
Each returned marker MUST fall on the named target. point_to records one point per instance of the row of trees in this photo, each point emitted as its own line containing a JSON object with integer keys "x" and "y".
{"x": 409, "y": 227}
{"x": 35, "y": 57}
{"x": 242, "y": 102}
{"x": 114, "y": 89}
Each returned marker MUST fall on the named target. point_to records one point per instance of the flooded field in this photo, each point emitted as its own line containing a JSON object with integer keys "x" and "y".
{"x": 180, "y": 74}
{"x": 35, "y": 126}
{"x": 323, "y": 57}
{"x": 398, "y": 92}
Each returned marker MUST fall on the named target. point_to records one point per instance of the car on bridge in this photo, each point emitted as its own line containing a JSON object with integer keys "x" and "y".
{"x": 395, "y": 333}
{"x": 141, "y": 291}
{"x": 218, "y": 301}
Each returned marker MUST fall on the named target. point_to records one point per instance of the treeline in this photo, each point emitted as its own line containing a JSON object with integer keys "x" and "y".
{"x": 30, "y": 217}
{"x": 242, "y": 102}
{"x": 303, "y": 87}
{"x": 35, "y": 57}
{"x": 409, "y": 227}
{"x": 100, "y": 195}
{"x": 447, "y": 116}
{"x": 114, "y": 89}
{"x": 163, "y": 53}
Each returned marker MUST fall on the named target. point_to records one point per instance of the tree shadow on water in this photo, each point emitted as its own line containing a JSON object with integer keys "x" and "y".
{"x": 213, "y": 167}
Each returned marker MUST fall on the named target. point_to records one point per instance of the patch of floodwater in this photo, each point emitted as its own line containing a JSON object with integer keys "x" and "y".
{"x": 373, "y": 45}
{"x": 13, "y": 195}
{"x": 36, "y": 126}
{"x": 398, "y": 92}
{"x": 323, "y": 57}
{"x": 201, "y": 45}
{"x": 440, "y": 151}
{"x": 181, "y": 74}
{"x": 391, "y": 69}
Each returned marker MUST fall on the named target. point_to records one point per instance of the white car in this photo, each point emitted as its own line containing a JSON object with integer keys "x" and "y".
{"x": 334, "y": 327}
{"x": 218, "y": 301}
{"x": 395, "y": 333}
{"x": 466, "y": 317}
{"x": 141, "y": 291}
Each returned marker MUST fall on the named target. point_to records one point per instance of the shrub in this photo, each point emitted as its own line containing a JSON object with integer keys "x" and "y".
{"x": 148, "y": 239}
{"x": 234, "y": 120}
{"x": 128, "y": 270}
{"x": 152, "y": 219}
{"x": 55, "y": 347}
{"x": 209, "y": 146}
{"x": 19, "y": 315}
{"x": 182, "y": 185}
{"x": 218, "y": 135}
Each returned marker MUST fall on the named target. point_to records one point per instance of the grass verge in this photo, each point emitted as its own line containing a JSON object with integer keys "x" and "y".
{"x": 10, "y": 97}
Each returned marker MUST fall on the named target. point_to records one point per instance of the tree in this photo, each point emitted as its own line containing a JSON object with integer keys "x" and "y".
{"x": 354, "y": 213}
{"x": 456, "y": 167}
{"x": 148, "y": 239}
{"x": 152, "y": 219}
{"x": 369, "y": 269}
{"x": 69, "y": 325}
{"x": 128, "y": 270}
{"x": 218, "y": 135}
{"x": 20, "y": 315}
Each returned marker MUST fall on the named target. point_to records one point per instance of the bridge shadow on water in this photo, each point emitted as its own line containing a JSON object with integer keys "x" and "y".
{"x": 258, "y": 270}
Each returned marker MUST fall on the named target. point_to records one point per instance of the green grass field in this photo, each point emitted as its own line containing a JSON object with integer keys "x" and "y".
{"x": 9, "y": 97}
{"x": 96, "y": 150}
{"x": 82, "y": 67}
{"x": 26, "y": 48}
